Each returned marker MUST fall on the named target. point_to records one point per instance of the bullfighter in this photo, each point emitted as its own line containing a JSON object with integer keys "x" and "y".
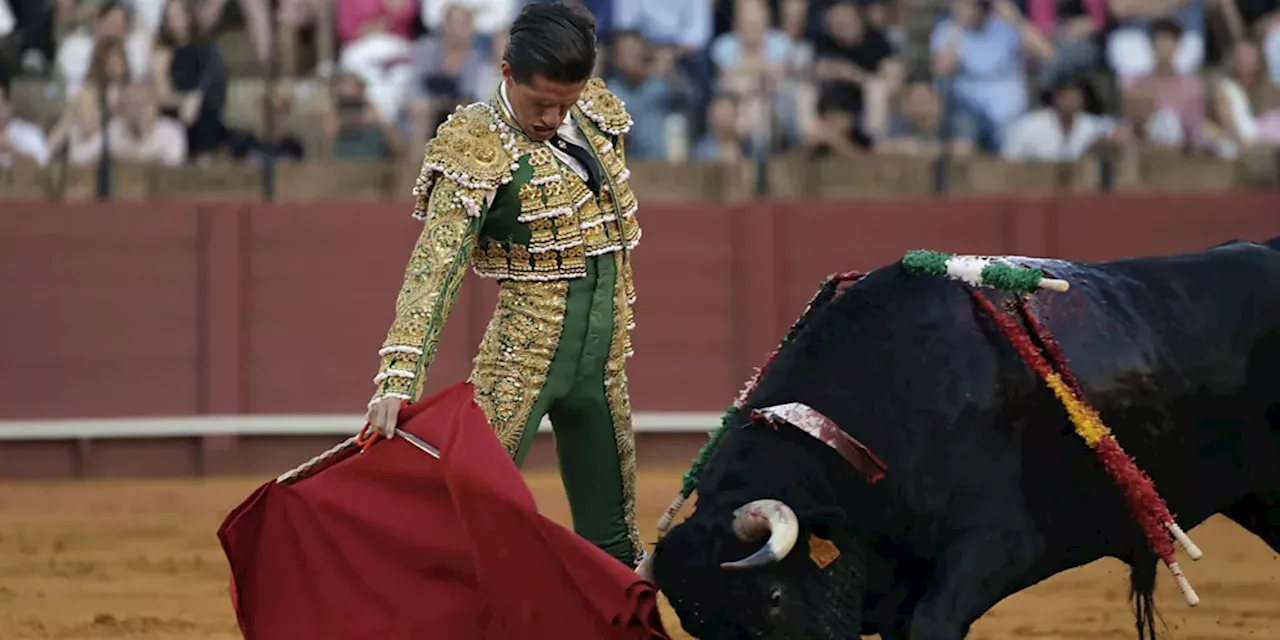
{"x": 530, "y": 187}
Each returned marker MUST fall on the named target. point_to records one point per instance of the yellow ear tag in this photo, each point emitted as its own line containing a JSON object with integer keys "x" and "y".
{"x": 822, "y": 552}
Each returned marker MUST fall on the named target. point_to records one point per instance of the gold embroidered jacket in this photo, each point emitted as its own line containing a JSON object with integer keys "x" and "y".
{"x": 489, "y": 196}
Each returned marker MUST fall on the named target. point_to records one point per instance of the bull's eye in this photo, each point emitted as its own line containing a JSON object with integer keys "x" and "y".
{"x": 775, "y": 599}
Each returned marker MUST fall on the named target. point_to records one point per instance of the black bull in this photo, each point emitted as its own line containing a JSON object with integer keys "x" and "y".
{"x": 988, "y": 490}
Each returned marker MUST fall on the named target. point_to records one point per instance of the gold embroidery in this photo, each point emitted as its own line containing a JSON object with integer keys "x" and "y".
{"x": 542, "y": 234}
{"x": 604, "y": 108}
{"x": 554, "y": 189}
{"x": 624, "y": 197}
{"x": 531, "y": 199}
{"x": 515, "y": 354}
{"x": 580, "y": 197}
{"x": 609, "y": 156}
{"x": 573, "y": 261}
{"x": 631, "y": 286}
{"x": 547, "y": 207}
{"x": 616, "y": 394}
{"x": 545, "y": 263}
{"x": 596, "y": 242}
{"x": 566, "y": 222}
{"x": 540, "y": 157}
{"x": 432, "y": 277}
{"x": 616, "y": 203}
{"x": 489, "y": 260}
{"x": 468, "y": 148}
{"x": 518, "y": 259}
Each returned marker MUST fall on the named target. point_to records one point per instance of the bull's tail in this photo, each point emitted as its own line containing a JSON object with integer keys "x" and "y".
{"x": 1142, "y": 588}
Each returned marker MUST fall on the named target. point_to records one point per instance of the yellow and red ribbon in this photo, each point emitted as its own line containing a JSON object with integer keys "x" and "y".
{"x": 1145, "y": 503}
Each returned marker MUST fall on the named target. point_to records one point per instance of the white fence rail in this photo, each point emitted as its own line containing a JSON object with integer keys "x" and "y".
{"x": 276, "y": 425}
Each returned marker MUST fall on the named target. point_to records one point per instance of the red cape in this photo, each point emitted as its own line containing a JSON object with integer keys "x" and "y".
{"x": 394, "y": 544}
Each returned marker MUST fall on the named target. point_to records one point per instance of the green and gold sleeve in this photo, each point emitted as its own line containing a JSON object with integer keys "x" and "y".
{"x": 432, "y": 278}
{"x": 463, "y": 166}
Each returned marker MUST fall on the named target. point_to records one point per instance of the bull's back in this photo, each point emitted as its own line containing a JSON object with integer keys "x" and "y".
{"x": 1179, "y": 354}
{"x": 1202, "y": 313}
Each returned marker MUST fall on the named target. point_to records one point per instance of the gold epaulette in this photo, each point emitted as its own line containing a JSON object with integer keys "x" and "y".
{"x": 605, "y": 109}
{"x": 473, "y": 148}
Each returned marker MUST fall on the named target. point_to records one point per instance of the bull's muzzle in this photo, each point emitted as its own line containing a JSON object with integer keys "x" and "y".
{"x": 645, "y": 568}
{"x": 753, "y": 520}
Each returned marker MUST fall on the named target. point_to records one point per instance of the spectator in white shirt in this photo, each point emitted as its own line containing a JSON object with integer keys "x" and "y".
{"x": 79, "y": 132}
{"x": 491, "y": 17}
{"x": 113, "y": 19}
{"x": 79, "y": 128}
{"x": 8, "y": 41}
{"x": 141, "y": 135}
{"x": 19, "y": 138}
{"x": 1061, "y": 131}
{"x": 7, "y": 21}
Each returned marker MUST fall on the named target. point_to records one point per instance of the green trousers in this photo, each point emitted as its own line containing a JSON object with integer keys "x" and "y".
{"x": 575, "y": 398}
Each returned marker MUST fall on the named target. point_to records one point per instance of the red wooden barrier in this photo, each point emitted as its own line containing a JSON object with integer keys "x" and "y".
{"x": 179, "y": 309}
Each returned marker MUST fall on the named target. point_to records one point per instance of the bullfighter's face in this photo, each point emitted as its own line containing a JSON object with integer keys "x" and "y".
{"x": 540, "y": 105}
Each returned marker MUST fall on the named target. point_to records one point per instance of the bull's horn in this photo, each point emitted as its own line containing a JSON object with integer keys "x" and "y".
{"x": 645, "y": 568}
{"x": 752, "y": 520}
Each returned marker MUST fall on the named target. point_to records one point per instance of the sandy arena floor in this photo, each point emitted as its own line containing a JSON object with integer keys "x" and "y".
{"x": 140, "y": 560}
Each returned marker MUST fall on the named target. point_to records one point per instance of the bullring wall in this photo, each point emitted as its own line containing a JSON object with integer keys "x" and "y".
{"x": 182, "y": 308}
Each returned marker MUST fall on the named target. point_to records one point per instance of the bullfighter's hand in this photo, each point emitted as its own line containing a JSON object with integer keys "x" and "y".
{"x": 382, "y": 416}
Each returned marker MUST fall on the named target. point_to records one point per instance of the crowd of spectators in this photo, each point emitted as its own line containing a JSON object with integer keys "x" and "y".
{"x": 705, "y": 80}
{"x": 1191, "y": 76}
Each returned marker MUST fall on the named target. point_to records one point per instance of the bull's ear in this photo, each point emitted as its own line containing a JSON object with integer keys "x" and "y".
{"x": 822, "y": 521}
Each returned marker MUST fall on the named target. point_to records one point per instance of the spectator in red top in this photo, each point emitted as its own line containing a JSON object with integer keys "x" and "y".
{"x": 375, "y": 36}
{"x": 356, "y": 19}
{"x": 1128, "y": 45}
{"x": 1182, "y": 94}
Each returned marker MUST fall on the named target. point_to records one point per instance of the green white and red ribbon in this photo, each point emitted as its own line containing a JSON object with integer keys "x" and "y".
{"x": 981, "y": 271}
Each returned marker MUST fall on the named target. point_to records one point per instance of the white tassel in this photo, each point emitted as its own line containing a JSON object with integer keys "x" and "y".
{"x": 1184, "y": 586}
{"x": 1183, "y": 539}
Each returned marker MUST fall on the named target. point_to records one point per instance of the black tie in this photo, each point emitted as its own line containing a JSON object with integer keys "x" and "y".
{"x": 584, "y": 158}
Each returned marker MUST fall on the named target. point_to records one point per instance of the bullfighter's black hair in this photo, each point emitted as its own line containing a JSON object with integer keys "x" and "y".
{"x": 556, "y": 41}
